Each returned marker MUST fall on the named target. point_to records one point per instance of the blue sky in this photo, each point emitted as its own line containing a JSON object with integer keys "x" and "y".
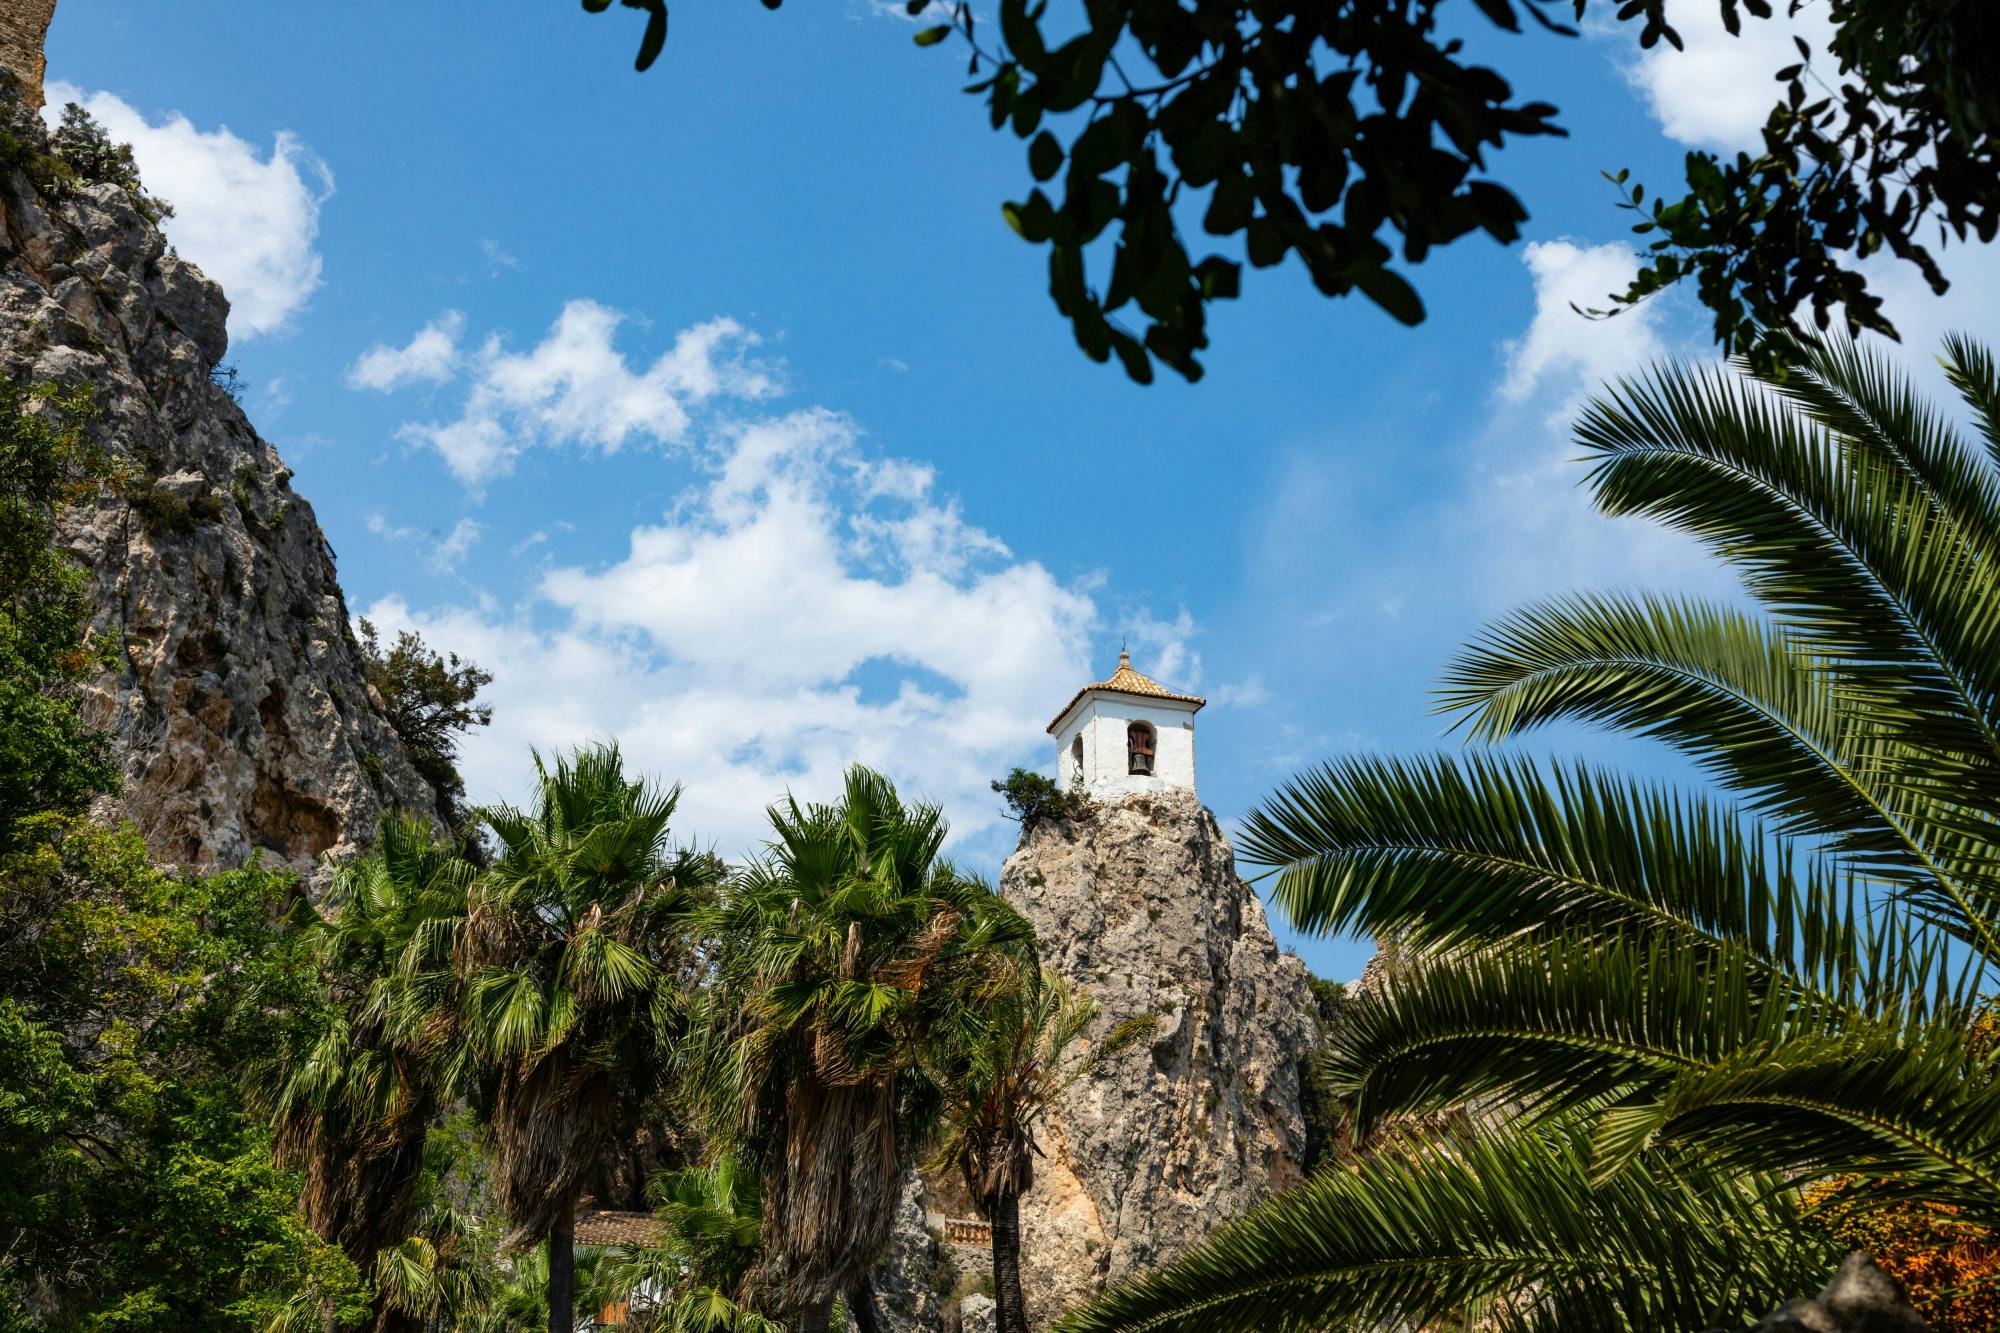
{"x": 716, "y": 410}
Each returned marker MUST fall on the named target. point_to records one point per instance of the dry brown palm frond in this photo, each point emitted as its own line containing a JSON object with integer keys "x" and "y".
{"x": 850, "y": 954}
{"x": 829, "y": 1059}
{"x": 360, "y": 1179}
{"x": 549, "y": 1117}
{"x": 908, "y": 966}
{"x": 831, "y": 1200}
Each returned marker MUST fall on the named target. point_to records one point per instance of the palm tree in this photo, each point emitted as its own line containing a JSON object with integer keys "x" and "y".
{"x": 841, "y": 945}
{"x": 522, "y": 1295}
{"x": 1723, "y": 997}
{"x": 352, "y": 1102}
{"x": 443, "y": 1275}
{"x": 698, "y": 1276}
{"x": 1014, "y": 1052}
{"x": 570, "y": 956}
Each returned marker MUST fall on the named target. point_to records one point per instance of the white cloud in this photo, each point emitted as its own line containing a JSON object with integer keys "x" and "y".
{"x": 804, "y": 606}
{"x": 430, "y": 356}
{"x": 497, "y": 257}
{"x": 1246, "y": 693}
{"x": 1719, "y": 91}
{"x": 456, "y": 543}
{"x": 248, "y": 220}
{"x": 1563, "y": 345}
{"x": 1526, "y": 508}
{"x": 273, "y": 398}
{"x": 575, "y": 387}
{"x": 446, "y": 552}
{"x": 1163, "y": 648}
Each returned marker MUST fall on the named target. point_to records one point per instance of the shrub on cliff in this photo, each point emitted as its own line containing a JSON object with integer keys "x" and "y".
{"x": 1032, "y": 798}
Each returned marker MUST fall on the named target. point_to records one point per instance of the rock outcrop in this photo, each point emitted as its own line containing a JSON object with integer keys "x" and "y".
{"x": 237, "y": 702}
{"x": 1139, "y": 903}
{"x": 906, "y": 1283}
{"x": 1861, "y": 1298}
{"x": 24, "y": 24}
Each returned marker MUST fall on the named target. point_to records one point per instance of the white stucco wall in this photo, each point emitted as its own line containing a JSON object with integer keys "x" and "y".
{"x": 1101, "y": 720}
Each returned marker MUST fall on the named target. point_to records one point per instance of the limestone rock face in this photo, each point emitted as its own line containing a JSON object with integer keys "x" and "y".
{"x": 1139, "y": 903}
{"x": 976, "y": 1314}
{"x": 236, "y": 698}
{"x": 905, "y": 1283}
{"x": 23, "y": 26}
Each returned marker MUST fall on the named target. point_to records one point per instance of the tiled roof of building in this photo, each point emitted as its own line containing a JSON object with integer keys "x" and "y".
{"x": 605, "y": 1229}
{"x": 1127, "y": 681}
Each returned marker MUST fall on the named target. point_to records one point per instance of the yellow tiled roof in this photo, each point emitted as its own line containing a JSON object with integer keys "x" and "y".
{"x": 1127, "y": 681}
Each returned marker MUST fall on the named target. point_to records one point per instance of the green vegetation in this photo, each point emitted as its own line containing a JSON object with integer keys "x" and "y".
{"x": 1697, "y": 1003}
{"x": 79, "y": 153}
{"x": 352, "y": 1099}
{"x": 569, "y": 953}
{"x": 711, "y": 1219}
{"x": 80, "y": 144}
{"x": 841, "y": 953}
{"x": 134, "y": 1191}
{"x": 1000, "y": 1068}
{"x": 1343, "y": 134}
{"x": 1031, "y": 798}
{"x": 50, "y": 760}
{"x": 431, "y": 699}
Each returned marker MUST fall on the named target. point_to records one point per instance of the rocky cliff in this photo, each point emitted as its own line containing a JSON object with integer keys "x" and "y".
{"x": 24, "y": 24}
{"x": 241, "y": 717}
{"x": 1139, "y": 903}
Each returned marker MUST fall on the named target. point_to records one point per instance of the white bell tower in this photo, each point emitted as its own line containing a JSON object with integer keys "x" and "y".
{"x": 1126, "y": 734}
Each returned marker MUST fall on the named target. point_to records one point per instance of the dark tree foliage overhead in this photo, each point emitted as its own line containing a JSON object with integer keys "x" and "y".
{"x": 1886, "y": 145}
{"x": 1356, "y": 136}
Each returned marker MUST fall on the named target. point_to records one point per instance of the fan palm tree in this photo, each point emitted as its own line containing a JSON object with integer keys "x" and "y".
{"x": 1722, "y": 996}
{"x": 443, "y": 1274}
{"x": 698, "y": 1276}
{"x": 1016, "y": 1050}
{"x": 570, "y": 959}
{"x": 351, "y": 1105}
{"x": 841, "y": 945}
{"x": 520, "y": 1296}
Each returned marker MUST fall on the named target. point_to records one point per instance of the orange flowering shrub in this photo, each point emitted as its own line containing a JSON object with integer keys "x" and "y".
{"x": 1950, "y": 1268}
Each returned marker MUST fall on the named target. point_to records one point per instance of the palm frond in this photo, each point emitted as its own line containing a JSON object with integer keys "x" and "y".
{"x": 1844, "y": 546}
{"x": 1969, "y": 366}
{"x": 1916, "y": 1109}
{"x": 1737, "y": 694}
{"x": 1859, "y": 395}
{"x": 1414, "y": 1234}
{"x": 1448, "y": 851}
